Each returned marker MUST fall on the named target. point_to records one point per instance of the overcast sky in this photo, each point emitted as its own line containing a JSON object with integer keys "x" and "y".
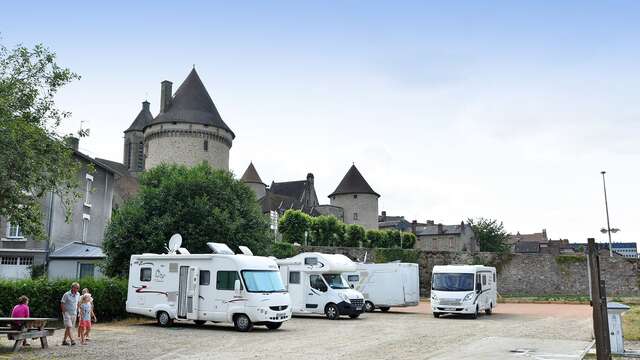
{"x": 450, "y": 110}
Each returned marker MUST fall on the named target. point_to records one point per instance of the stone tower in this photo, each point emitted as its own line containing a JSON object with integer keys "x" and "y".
{"x": 357, "y": 198}
{"x": 252, "y": 179}
{"x": 188, "y": 130}
{"x": 133, "y": 157}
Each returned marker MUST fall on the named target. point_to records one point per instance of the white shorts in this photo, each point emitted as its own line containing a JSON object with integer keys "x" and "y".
{"x": 69, "y": 320}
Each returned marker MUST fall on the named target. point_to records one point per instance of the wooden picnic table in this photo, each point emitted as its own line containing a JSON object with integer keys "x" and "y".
{"x": 33, "y": 328}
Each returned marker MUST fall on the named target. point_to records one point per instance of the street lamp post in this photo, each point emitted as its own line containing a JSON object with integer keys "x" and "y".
{"x": 608, "y": 230}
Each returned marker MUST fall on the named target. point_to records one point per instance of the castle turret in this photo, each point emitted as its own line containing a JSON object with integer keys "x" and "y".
{"x": 188, "y": 130}
{"x": 133, "y": 157}
{"x": 253, "y": 181}
{"x": 357, "y": 198}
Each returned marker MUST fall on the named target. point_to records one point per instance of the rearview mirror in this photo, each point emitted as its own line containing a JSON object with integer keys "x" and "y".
{"x": 236, "y": 287}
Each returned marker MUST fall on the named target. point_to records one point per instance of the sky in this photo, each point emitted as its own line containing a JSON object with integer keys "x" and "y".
{"x": 450, "y": 110}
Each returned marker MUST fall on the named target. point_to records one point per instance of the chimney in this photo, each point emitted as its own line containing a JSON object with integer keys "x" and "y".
{"x": 544, "y": 233}
{"x": 384, "y": 215}
{"x": 414, "y": 226}
{"x": 72, "y": 142}
{"x": 440, "y": 228}
{"x": 462, "y": 226}
{"x": 165, "y": 95}
{"x": 310, "y": 178}
{"x": 145, "y": 105}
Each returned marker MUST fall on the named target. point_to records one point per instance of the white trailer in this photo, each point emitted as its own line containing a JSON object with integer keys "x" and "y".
{"x": 387, "y": 285}
{"x": 221, "y": 287}
{"x": 463, "y": 289}
{"x": 316, "y": 284}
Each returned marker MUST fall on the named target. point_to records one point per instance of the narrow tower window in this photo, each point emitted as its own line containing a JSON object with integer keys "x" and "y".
{"x": 206, "y": 145}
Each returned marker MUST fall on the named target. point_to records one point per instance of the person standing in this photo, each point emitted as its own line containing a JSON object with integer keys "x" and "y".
{"x": 69, "y": 309}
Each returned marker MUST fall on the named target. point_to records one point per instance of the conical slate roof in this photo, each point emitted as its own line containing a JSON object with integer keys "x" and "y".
{"x": 353, "y": 183}
{"x": 251, "y": 175}
{"x": 192, "y": 104}
{"x": 143, "y": 119}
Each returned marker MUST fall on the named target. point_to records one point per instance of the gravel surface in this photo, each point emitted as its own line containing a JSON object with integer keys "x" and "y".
{"x": 404, "y": 334}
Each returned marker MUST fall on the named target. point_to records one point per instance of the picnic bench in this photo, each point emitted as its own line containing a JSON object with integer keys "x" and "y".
{"x": 33, "y": 328}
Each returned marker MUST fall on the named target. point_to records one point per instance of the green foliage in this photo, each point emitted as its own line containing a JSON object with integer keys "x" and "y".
{"x": 355, "y": 236}
{"x": 376, "y": 239}
{"x": 109, "y": 294}
{"x": 408, "y": 240}
{"x": 404, "y": 255}
{"x": 293, "y": 224}
{"x": 327, "y": 230}
{"x": 35, "y": 159}
{"x": 491, "y": 235}
{"x": 38, "y": 271}
{"x": 569, "y": 259}
{"x": 283, "y": 250}
{"x": 200, "y": 203}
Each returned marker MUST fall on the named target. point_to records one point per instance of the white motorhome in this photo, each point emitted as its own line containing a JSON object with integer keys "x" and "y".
{"x": 387, "y": 285}
{"x": 463, "y": 289}
{"x": 316, "y": 284}
{"x": 221, "y": 287}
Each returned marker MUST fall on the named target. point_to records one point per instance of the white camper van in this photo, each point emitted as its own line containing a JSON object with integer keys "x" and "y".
{"x": 223, "y": 287}
{"x": 316, "y": 284}
{"x": 387, "y": 285}
{"x": 463, "y": 289}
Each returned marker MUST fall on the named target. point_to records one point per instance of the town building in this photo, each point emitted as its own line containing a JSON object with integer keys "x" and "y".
{"x": 439, "y": 237}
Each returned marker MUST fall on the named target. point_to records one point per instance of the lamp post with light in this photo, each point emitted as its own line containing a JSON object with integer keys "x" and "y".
{"x": 608, "y": 230}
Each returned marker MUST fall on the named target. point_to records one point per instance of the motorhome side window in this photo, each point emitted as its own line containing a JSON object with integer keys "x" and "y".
{"x": 315, "y": 281}
{"x": 145, "y": 274}
{"x": 226, "y": 280}
{"x": 484, "y": 280}
{"x": 353, "y": 278}
{"x": 205, "y": 277}
{"x": 294, "y": 277}
{"x": 494, "y": 277}
{"x": 313, "y": 261}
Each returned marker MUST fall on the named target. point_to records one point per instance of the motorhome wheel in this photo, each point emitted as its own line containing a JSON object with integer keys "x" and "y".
{"x": 368, "y": 306}
{"x": 242, "y": 323}
{"x": 199, "y": 322}
{"x": 384, "y": 308}
{"x": 332, "y": 312}
{"x": 273, "y": 325}
{"x": 489, "y": 310}
{"x": 164, "y": 319}
{"x": 475, "y": 314}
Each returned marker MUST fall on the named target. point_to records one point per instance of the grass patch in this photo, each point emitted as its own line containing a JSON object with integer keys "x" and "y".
{"x": 571, "y": 259}
{"x": 631, "y": 324}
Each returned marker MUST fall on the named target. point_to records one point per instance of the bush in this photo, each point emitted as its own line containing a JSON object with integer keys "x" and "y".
{"x": 376, "y": 238}
{"x": 327, "y": 230}
{"x": 388, "y": 255}
{"x": 109, "y": 294}
{"x": 408, "y": 240}
{"x": 282, "y": 250}
{"x": 293, "y": 224}
{"x": 355, "y": 236}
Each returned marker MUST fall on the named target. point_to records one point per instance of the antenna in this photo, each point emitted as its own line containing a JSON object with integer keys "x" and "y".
{"x": 174, "y": 243}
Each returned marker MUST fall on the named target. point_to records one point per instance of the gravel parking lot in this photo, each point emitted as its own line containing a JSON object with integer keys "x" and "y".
{"x": 404, "y": 334}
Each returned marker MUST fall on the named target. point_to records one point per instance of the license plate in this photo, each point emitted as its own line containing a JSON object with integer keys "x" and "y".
{"x": 281, "y": 315}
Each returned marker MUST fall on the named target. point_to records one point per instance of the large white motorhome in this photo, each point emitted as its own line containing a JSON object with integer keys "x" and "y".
{"x": 316, "y": 284}
{"x": 463, "y": 289}
{"x": 221, "y": 287}
{"x": 386, "y": 285}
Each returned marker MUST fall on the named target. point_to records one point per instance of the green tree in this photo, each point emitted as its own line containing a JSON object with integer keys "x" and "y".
{"x": 327, "y": 230}
{"x": 293, "y": 225}
{"x": 35, "y": 159}
{"x": 200, "y": 203}
{"x": 376, "y": 238}
{"x": 490, "y": 234}
{"x": 355, "y": 236}
{"x": 393, "y": 238}
{"x": 408, "y": 240}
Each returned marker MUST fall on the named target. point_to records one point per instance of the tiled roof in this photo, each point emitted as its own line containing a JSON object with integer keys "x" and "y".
{"x": 353, "y": 183}
{"x": 433, "y": 230}
{"x": 143, "y": 119}
{"x": 192, "y": 104}
{"x": 114, "y": 166}
{"x": 251, "y": 175}
{"x": 527, "y": 247}
{"x": 76, "y": 250}
{"x": 293, "y": 189}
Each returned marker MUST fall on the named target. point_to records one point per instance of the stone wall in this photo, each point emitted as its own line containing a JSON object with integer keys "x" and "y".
{"x": 519, "y": 274}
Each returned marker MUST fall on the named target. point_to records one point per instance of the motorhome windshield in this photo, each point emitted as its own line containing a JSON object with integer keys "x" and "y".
{"x": 335, "y": 281}
{"x": 452, "y": 282}
{"x": 263, "y": 281}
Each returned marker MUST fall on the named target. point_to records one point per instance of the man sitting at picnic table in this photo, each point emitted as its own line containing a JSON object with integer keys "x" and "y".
{"x": 69, "y": 308}
{"x": 20, "y": 311}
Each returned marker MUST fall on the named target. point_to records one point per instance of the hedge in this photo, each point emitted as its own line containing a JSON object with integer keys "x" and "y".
{"x": 404, "y": 255}
{"x": 109, "y": 296}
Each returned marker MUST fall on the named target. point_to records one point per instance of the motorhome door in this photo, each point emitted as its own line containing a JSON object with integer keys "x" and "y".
{"x": 315, "y": 293}
{"x": 193, "y": 293}
{"x": 182, "y": 291}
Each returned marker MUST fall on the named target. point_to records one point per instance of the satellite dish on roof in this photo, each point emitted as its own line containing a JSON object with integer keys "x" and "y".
{"x": 174, "y": 243}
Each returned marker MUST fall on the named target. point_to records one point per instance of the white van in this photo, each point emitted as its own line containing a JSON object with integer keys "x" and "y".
{"x": 221, "y": 287}
{"x": 463, "y": 289}
{"x": 387, "y": 285}
{"x": 316, "y": 284}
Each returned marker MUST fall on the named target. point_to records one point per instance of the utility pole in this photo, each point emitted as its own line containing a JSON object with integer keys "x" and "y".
{"x": 606, "y": 207}
{"x": 598, "y": 303}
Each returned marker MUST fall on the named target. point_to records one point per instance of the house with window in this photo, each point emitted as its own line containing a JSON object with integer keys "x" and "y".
{"x": 19, "y": 252}
{"x": 439, "y": 237}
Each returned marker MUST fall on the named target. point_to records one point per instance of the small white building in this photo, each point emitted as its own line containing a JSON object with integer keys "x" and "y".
{"x": 76, "y": 260}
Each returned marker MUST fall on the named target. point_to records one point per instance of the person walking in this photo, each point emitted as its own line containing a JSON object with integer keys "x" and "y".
{"x": 69, "y": 309}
